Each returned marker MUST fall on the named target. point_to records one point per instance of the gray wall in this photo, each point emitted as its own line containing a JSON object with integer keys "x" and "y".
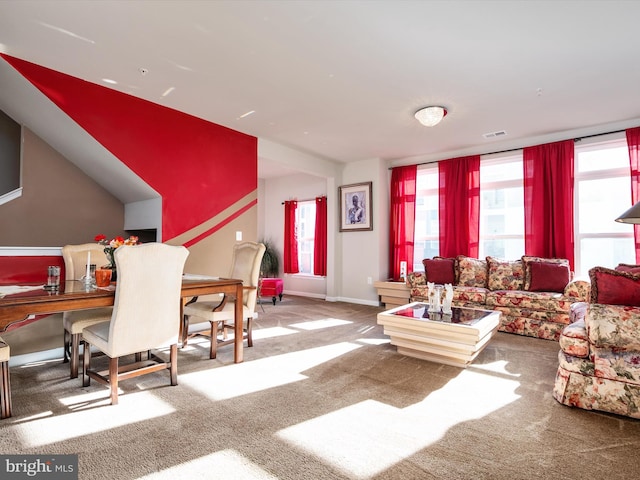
{"x": 59, "y": 204}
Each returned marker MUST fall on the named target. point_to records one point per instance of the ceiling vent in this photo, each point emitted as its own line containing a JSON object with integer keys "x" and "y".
{"x": 500, "y": 133}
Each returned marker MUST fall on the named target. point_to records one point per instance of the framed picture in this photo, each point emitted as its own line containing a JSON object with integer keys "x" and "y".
{"x": 355, "y": 207}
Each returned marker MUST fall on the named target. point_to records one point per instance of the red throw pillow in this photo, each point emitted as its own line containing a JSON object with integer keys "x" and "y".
{"x": 625, "y": 267}
{"x": 439, "y": 270}
{"x": 548, "y": 277}
{"x": 612, "y": 287}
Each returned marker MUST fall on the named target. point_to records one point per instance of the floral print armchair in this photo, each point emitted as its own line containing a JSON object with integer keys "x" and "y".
{"x": 599, "y": 359}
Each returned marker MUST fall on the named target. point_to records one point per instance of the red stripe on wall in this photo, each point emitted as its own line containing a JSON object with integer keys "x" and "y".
{"x": 199, "y": 168}
{"x": 20, "y": 270}
{"x": 218, "y": 226}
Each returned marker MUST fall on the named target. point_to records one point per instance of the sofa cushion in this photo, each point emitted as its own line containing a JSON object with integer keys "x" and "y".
{"x": 527, "y": 260}
{"x": 548, "y": 277}
{"x": 625, "y": 267}
{"x": 612, "y": 287}
{"x": 614, "y": 326}
{"x": 546, "y": 302}
{"x": 472, "y": 272}
{"x": 571, "y": 363}
{"x": 439, "y": 270}
{"x": 621, "y": 365}
{"x": 574, "y": 340}
{"x": 469, "y": 295}
{"x": 504, "y": 274}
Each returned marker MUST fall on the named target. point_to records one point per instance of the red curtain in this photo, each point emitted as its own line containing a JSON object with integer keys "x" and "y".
{"x": 402, "y": 218}
{"x": 548, "y": 200}
{"x": 290, "y": 237}
{"x": 459, "y": 206}
{"x": 633, "y": 144}
{"x": 320, "y": 238}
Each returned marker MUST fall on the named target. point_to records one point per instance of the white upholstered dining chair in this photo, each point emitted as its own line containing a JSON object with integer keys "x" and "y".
{"x": 75, "y": 266}
{"x": 146, "y": 315}
{"x": 245, "y": 265}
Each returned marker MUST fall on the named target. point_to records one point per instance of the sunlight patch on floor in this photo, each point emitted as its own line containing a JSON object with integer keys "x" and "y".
{"x": 370, "y": 437}
{"x": 319, "y": 324}
{"x": 258, "y": 334}
{"x": 249, "y": 377}
{"x": 262, "y": 333}
{"x": 87, "y": 400}
{"x": 132, "y": 408}
{"x": 226, "y": 464}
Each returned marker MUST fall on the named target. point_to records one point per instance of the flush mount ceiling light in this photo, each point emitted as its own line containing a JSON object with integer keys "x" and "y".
{"x": 430, "y": 116}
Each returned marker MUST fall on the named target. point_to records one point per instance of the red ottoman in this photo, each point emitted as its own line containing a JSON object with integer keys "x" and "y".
{"x": 271, "y": 287}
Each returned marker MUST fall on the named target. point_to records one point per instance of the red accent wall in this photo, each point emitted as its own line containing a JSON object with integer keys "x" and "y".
{"x": 27, "y": 269}
{"x": 199, "y": 168}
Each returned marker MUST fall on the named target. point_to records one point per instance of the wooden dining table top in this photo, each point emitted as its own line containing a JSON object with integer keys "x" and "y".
{"x": 74, "y": 295}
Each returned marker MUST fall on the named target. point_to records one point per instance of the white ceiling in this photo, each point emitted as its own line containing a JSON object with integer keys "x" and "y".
{"x": 342, "y": 79}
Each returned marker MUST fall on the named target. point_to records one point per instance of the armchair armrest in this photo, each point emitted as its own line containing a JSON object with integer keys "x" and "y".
{"x": 417, "y": 283}
{"x": 613, "y": 326}
{"x": 416, "y": 279}
{"x": 578, "y": 290}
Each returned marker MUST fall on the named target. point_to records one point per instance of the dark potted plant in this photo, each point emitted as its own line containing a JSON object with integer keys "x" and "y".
{"x": 270, "y": 266}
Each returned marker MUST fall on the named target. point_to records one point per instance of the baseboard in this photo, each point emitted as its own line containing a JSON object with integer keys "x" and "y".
{"x": 35, "y": 357}
{"x": 359, "y": 301}
{"x": 304, "y": 294}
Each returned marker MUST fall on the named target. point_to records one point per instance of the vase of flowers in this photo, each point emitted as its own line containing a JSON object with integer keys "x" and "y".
{"x": 110, "y": 247}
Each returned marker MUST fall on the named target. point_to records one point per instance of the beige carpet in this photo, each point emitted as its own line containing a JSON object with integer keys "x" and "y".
{"x": 322, "y": 395}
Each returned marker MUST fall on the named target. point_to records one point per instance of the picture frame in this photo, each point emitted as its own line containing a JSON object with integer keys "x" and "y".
{"x": 356, "y": 209}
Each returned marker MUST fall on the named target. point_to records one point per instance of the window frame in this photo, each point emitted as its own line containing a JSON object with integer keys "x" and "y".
{"x": 594, "y": 144}
{"x": 432, "y": 168}
{"x": 497, "y": 159}
{"x": 312, "y": 227}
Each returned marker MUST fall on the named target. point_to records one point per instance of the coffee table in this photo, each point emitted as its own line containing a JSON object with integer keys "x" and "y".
{"x": 454, "y": 339}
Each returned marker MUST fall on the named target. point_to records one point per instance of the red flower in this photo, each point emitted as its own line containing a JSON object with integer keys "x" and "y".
{"x": 111, "y": 245}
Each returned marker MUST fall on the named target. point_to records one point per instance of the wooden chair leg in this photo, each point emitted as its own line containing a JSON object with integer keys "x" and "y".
{"x": 113, "y": 379}
{"x": 214, "y": 340}
{"x": 5, "y": 391}
{"x": 185, "y": 330}
{"x": 173, "y": 369}
{"x": 74, "y": 355}
{"x": 86, "y": 364}
{"x": 67, "y": 344}
{"x": 249, "y": 332}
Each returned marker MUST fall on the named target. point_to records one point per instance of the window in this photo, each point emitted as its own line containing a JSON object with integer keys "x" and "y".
{"x": 603, "y": 192}
{"x": 501, "y": 207}
{"x": 427, "y": 228}
{"x": 306, "y": 227}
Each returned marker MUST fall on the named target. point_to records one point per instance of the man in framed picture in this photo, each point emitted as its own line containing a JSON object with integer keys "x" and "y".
{"x": 355, "y": 213}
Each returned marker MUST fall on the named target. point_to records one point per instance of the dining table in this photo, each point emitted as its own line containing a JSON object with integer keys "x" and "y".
{"x": 22, "y": 306}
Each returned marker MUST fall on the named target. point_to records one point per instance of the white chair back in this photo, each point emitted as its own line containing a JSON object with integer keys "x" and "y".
{"x": 247, "y": 257}
{"x": 75, "y": 259}
{"x": 146, "y": 312}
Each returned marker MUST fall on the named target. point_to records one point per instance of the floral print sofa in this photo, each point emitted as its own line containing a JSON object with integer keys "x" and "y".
{"x": 599, "y": 358}
{"x": 533, "y": 294}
